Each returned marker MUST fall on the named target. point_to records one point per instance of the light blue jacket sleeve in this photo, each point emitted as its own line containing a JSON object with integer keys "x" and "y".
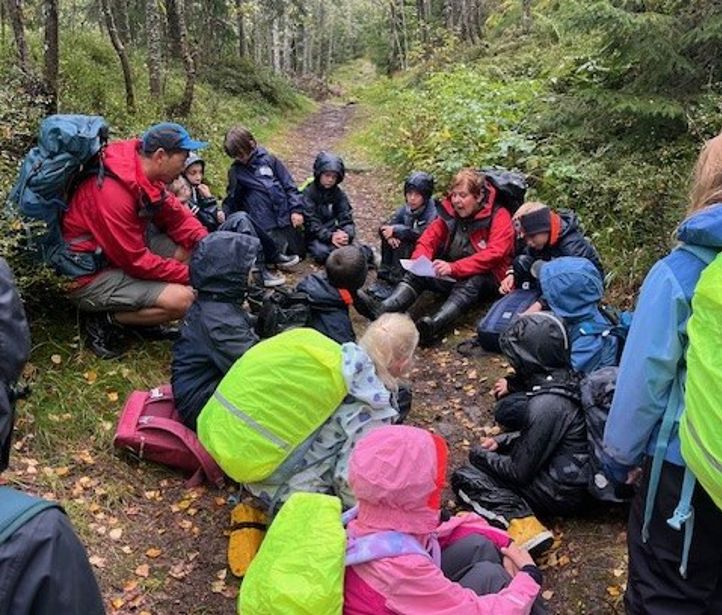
{"x": 651, "y": 372}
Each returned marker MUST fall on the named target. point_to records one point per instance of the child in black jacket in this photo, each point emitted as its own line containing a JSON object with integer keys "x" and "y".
{"x": 543, "y": 469}
{"x": 333, "y": 291}
{"x": 327, "y": 211}
{"x": 216, "y": 330}
{"x": 400, "y": 233}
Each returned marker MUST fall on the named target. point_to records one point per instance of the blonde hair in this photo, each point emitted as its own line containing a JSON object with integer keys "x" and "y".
{"x": 391, "y": 338}
{"x": 707, "y": 179}
{"x": 527, "y": 208}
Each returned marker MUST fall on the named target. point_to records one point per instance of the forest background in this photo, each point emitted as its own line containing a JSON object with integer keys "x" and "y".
{"x": 603, "y": 104}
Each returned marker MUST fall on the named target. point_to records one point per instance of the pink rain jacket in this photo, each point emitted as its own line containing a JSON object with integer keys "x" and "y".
{"x": 397, "y": 474}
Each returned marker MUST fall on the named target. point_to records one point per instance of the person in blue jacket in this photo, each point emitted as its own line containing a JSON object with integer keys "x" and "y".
{"x": 260, "y": 184}
{"x": 216, "y": 330}
{"x": 671, "y": 569}
{"x": 400, "y": 233}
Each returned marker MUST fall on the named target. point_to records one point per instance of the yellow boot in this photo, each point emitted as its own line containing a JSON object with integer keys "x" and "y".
{"x": 248, "y": 527}
{"x": 530, "y": 534}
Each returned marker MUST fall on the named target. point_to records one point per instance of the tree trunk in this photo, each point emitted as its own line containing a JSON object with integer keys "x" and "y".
{"x": 242, "y": 43}
{"x": 15, "y": 10}
{"x": 51, "y": 53}
{"x": 186, "y": 104}
{"x": 173, "y": 29}
{"x": 154, "y": 44}
{"x": 526, "y": 16}
{"x": 123, "y": 20}
{"x": 122, "y": 55}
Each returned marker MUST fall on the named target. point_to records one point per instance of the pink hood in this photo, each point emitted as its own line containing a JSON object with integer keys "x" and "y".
{"x": 397, "y": 474}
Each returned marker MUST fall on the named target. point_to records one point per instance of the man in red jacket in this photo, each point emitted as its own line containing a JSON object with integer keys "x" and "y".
{"x": 144, "y": 234}
{"x": 470, "y": 244}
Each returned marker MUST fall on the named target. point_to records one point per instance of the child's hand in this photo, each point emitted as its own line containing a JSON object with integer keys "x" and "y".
{"x": 221, "y": 216}
{"x": 394, "y": 243}
{"x": 489, "y": 444}
{"x": 339, "y": 238}
{"x": 296, "y": 219}
{"x": 442, "y": 268}
{"x": 500, "y": 388}
{"x": 387, "y": 231}
{"x": 515, "y": 558}
{"x": 507, "y": 284}
{"x": 204, "y": 191}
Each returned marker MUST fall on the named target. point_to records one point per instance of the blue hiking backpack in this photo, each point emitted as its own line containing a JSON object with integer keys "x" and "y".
{"x": 69, "y": 149}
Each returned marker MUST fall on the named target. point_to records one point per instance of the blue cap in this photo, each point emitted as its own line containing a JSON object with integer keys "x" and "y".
{"x": 169, "y": 136}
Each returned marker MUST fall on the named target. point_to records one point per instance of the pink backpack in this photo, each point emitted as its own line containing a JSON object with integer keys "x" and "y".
{"x": 151, "y": 429}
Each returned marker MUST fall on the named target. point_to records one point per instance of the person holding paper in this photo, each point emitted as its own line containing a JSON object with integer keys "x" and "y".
{"x": 470, "y": 245}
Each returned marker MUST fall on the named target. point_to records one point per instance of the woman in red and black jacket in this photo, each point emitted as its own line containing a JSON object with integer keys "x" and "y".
{"x": 471, "y": 245}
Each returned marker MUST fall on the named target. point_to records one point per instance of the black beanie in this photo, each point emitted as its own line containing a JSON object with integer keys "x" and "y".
{"x": 537, "y": 221}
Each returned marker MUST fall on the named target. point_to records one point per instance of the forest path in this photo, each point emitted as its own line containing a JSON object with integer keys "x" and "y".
{"x": 584, "y": 569}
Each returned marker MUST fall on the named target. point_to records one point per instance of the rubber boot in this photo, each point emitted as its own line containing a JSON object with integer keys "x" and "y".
{"x": 398, "y": 301}
{"x": 530, "y": 534}
{"x": 431, "y": 328}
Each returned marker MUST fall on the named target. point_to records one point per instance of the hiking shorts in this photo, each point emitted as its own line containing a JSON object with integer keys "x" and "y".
{"x": 113, "y": 290}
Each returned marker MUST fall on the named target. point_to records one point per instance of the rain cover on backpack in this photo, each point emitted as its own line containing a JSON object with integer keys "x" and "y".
{"x": 299, "y": 568}
{"x": 272, "y": 399}
{"x": 67, "y": 146}
{"x": 699, "y": 425}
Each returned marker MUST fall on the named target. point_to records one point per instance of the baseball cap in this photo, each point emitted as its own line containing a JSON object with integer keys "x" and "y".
{"x": 169, "y": 136}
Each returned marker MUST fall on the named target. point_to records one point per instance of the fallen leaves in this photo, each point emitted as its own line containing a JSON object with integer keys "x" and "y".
{"x": 143, "y": 571}
{"x": 153, "y": 552}
{"x": 97, "y": 561}
{"x": 56, "y": 359}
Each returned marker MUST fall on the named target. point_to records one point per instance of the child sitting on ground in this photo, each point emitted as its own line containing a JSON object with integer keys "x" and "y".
{"x": 331, "y": 292}
{"x": 397, "y": 474}
{"x": 260, "y": 184}
{"x": 543, "y": 469}
{"x": 327, "y": 211}
{"x": 547, "y": 235}
{"x": 400, "y": 234}
{"x": 201, "y": 202}
{"x": 216, "y": 330}
{"x": 370, "y": 371}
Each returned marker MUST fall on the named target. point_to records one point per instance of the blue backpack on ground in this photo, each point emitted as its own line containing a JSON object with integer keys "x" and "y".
{"x": 68, "y": 150}
{"x": 500, "y": 316}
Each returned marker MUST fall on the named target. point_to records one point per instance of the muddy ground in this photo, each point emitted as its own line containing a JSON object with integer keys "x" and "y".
{"x": 158, "y": 547}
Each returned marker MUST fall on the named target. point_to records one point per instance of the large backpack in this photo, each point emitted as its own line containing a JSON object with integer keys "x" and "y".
{"x": 18, "y": 508}
{"x": 510, "y": 187}
{"x": 699, "y": 425}
{"x": 597, "y": 391}
{"x": 69, "y": 148}
{"x": 300, "y": 566}
{"x": 282, "y": 310}
{"x": 273, "y": 399}
{"x": 501, "y": 314}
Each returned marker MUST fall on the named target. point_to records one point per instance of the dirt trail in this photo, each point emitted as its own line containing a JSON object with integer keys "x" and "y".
{"x": 450, "y": 396}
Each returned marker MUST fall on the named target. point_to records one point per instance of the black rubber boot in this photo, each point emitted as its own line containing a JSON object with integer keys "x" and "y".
{"x": 431, "y": 328}
{"x": 104, "y": 336}
{"x": 398, "y": 301}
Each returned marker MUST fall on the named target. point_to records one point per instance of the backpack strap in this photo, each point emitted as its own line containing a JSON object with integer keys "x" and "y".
{"x": 208, "y": 466}
{"x": 17, "y": 508}
{"x": 684, "y": 516}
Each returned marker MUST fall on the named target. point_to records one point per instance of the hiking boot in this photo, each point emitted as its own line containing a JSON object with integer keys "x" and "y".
{"x": 431, "y": 329}
{"x": 272, "y": 280}
{"x": 286, "y": 262}
{"x": 104, "y": 336}
{"x": 156, "y": 332}
{"x": 530, "y": 534}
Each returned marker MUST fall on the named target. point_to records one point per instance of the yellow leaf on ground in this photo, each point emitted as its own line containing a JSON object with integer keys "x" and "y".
{"x": 56, "y": 359}
{"x": 614, "y": 591}
{"x": 62, "y": 471}
{"x": 153, "y": 552}
{"x": 90, "y": 376}
{"x": 97, "y": 561}
{"x": 117, "y": 603}
{"x": 115, "y": 534}
{"x": 112, "y": 396}
{"x": 547, "y": 595}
